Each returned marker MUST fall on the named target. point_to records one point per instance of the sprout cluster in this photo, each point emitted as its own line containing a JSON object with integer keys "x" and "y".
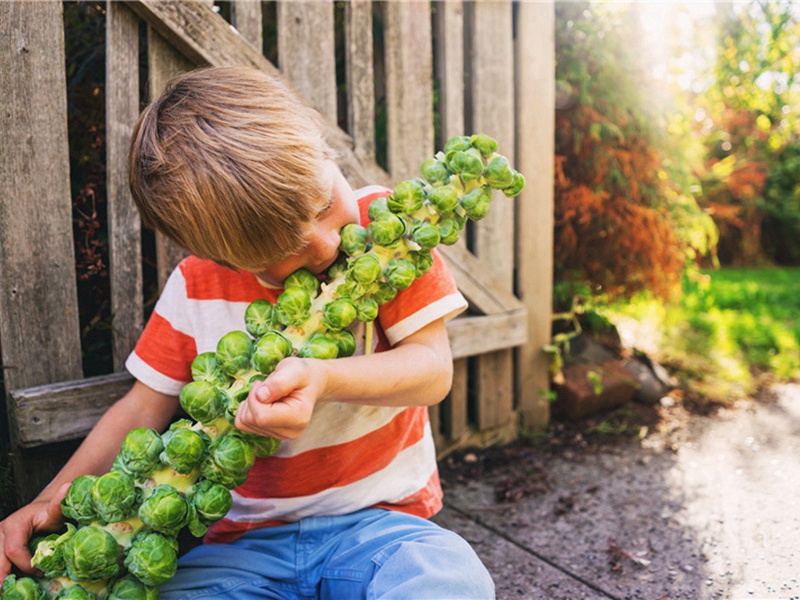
{"x": 123, "y": 543}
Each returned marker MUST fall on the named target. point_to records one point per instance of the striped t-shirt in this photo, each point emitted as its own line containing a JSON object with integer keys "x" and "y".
{"x": 350, "y": 456}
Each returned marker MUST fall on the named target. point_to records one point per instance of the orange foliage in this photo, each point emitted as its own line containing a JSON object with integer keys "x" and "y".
{"x": 612, "y": 228}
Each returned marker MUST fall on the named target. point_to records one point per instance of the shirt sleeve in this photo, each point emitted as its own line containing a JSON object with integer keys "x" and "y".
{"x": 431, "y": 297}
{"x": 164, "y": 353}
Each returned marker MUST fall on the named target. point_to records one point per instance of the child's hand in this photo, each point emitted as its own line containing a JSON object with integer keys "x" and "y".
{"x": 281, "y": 405}
{"x": 19, "y": 527}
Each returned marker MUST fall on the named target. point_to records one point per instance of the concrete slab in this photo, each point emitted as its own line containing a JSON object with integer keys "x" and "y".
{"x": 713, "y": 515}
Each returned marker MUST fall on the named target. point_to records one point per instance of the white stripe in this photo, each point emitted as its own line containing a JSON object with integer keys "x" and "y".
{"x": 443, "y": 308}
{"x": 408, "y": 473}
{"x": 338, "y": 423}
{"x": 152, "y": 378}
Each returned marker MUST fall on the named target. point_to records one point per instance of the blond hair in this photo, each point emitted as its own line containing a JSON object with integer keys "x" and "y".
{"x": 227, "y": 162}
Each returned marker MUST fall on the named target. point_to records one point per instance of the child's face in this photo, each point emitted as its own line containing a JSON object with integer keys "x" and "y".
{"x": 337, "y": 207}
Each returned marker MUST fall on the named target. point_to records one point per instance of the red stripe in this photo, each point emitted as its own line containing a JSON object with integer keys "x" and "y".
{"x": 206, "y": 280}
{"x": 424, "y": 503}
{"x": 318, "y": 470}
{"x": 225, "y": 531}
{"x": 166, "y": 349}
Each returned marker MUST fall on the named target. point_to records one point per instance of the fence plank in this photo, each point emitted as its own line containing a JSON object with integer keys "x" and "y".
{"x": 206, "y": 38}
{"x": 360, "y": 76}
{"x": 164, "y": 62}
{"x": 248, "y": 20}
{"x": 535, "y": 76}
{"x": 39, "y": 324}
{"x": 477, "y": 335}
{"x": 492, "y": 101}
{"x": 409, "y": 86}
{"x": 41, "y": 409}
{"x": 124, "y": 225}
{"x": 306, "y": 50}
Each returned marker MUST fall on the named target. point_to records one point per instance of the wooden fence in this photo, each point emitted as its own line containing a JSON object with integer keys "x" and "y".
{"x": 493, "y": 61}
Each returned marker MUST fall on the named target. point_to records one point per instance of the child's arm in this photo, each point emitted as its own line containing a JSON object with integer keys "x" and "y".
{"x": 418, "y": 371}
{"x": 140, "y": 407}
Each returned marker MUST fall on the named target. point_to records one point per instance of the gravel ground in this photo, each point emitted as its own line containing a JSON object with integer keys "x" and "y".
{"x": 647, "y": 503}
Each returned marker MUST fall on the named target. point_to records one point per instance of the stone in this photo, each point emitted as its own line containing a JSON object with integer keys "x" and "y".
{"x": 590, "y": 388}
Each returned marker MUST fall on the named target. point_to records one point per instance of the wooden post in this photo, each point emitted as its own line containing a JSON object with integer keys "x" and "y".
{"x": 124, "y": 225}
{"x": 535, "y": 91}
{"x": 360, "y": 76}
{"x": 409, "y": 86}
{"x": 164, "y": 62}
{"x": 492, "y": 101}
{"x": 248, "y": 21}
{"x": 306, "y": 50}
{"x": 39, "y": 324}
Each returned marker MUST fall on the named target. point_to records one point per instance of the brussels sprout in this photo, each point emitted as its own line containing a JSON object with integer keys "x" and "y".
{"x": 339, "y": 267}
{"x": 77, "y": 504}
{"x": 423, "y": 261}
{"x": 114, "y": 495}
{"x": 426, "y": 235}
{"x": 365, "y": 269}
{"x": 203, "y": 402}
{"x": 338, "y": 314}
{"x": 376, "y": 207}
{"x": 303, "y": 279}
{"x": 353, "y": 239}
{"x": 205, "y": 368}
{"x": 516, "y": 186}
{"x": 130, "y": 588}
{"x": 484, "y": 144}
{"x": 345, "y": 341}
{"x": 183, "y": 449}
{"x": 366, "y": 310}
{"x": 459, "y": 142}
{"x": 319, "y": 346}
{"x": 236, "y": 398}
{"x": 165, "y": 510}
{"x": 262, "y": 445}
{"x": 48, "y": 554}
{"x": 400, "y": 273}
{"x": 466, "y": 164}
{"x": 498, "y": 173}
{"x": 449, "y": 231}
{"x": 152, "y": 558}
{"x": 211, "y": 501}
{"x": 407, "y": 197}
{"x": 232, "y": 453}
{"x": 258, "y": 318}
{"x": 293, "y": 306}
{"x": 476, "y": 202}
{"x": 444, "y": 199}
{"x": 435, "y": 172}
{"x": 213, "y": 472}
{"x": 383, "y": 293}
{"x": 351, "y": 289}
{"x": 386, "y": 229}
{"x": 233, "y": 352}
{"x": 91, "y": 554}
{"x": 271, "y": 349}
{"x": 22, "y": 588}
{"x": 74, "y": 592}
{"x": 140, "y": 450}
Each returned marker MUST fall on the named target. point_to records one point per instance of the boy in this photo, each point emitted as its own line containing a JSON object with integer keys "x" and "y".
{"x": 229, "y": 165}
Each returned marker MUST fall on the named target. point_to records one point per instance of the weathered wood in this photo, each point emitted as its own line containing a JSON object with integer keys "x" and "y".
{"x": 306, "y": 51}
{"x": 478, "y": 282}
{"x": 39, "y": 324}
{"x": 360, "y": 76}
{"x": 41, "y": 410}
{"x": 124, "y": 224}
{"x": 449, "y": 24}
{"x": 249, "y": 22}
{"x": 535, "y": 92}
{"x": 206, "y": 39}
{"x": 478, "y": 335}
{"x": 164, "y": 63}
{"x": 409, "y": 86}
{"x": 492, "y": 102}
{"x": 454, "y": 407}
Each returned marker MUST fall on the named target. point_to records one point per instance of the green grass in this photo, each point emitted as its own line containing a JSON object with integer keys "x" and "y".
{"x": 727, "y": 331}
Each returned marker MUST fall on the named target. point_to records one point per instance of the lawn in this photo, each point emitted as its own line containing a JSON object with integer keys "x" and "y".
{"x": 729, "y": 331}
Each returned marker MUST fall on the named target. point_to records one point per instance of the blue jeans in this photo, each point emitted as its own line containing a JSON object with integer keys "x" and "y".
{"x": 372, "y": 553}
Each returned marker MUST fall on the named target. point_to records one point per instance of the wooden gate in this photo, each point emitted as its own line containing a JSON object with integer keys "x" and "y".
{"x": 492, "y": 62}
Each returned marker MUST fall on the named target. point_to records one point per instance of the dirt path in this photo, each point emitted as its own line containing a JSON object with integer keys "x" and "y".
{"x": 707, "y": 510}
